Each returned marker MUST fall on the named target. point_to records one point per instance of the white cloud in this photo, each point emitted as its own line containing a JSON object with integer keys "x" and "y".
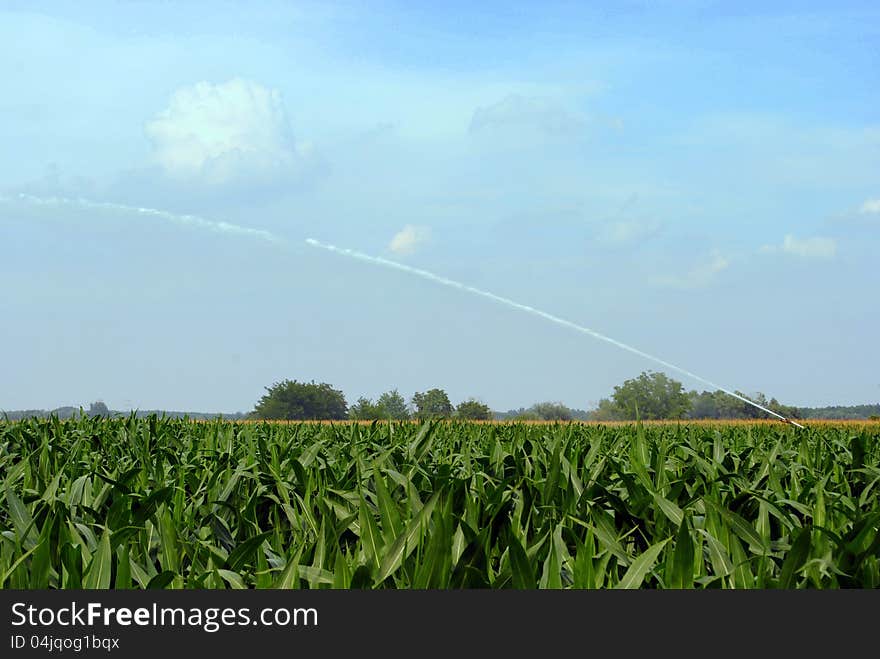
{"x": 700, "y": 276}
{"x": 813, "y": 248}
{"x": 224, "y": 132}
{"x": 408, "y": 239}
{"x": 871, "y": 206}
{"x": 822, "y": 248}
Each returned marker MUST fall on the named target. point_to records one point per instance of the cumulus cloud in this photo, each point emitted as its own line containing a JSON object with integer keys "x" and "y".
{"x": 220, "y": 133}
{"x": 408, "y": 239}
{"x": 525, "y": 115}
{"x": 870, "y": 207}
{"x": 813, "y": 248}
{"x": 700, "y": 276}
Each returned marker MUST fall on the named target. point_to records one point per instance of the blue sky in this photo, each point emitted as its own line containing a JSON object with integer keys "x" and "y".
{"x": 700, "y": 180}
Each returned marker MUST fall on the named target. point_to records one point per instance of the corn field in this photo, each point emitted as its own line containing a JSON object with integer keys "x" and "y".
{"x": 160, "y": 503}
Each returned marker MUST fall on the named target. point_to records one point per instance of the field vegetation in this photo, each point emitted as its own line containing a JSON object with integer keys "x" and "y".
{"x": 166, "y": 503}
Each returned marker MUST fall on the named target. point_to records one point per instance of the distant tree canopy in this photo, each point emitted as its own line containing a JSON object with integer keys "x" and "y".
{"x": 474, "y": 410}
{"x": 841, "y": 412}
{"x": 545, "y": 411}
{"x": 649, "y": 396}
{"x": 98, "y": 408}
{"x": 720, "y": 405}
{"x": 365, "y": 410}
{"x": 294, "y": 400}
{"x": 432, "y": 404}
{"x": 519, "y": 414}
{"x": 390, "y": 405}
{"x": 657, "y": 396}
{"x": 605, "y": 411}
{"x": 394, "y": 405}
{"x": 548, "y": 411}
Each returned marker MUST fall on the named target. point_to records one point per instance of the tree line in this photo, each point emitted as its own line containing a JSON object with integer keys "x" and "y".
{"x": 657, "y": 396}
{"x": 293, "y": 400}
{"x": 649, "y": 396}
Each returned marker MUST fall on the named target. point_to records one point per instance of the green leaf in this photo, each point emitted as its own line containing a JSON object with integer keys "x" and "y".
{"x": 641, "y": 566}
{"x": 819, "y": 506}
{"x": 123, "y": 569}
{"x": 417, "y": 447}
{"x": 161, "y": 580}
{"x": 583, "y": 562}
{"x": 41, "y": 563}
{"x": 672, "y": 511}
{"x": 361, "y": 579}
{"x": 289, "y": 577}
{"x": 406, "y": 542}
{"x": 71, "y": 559}
{"x": 552, "y": 481}
{"x": 795, "y": 559}
{"x": 435, "y": 562}
{"x": 21, "y": 519}
{"x": 232, "y": 578}
{"x": 49, "y": 493}
{"x": 316, "y": 576}
{"x": 147, "y": 507}
{"x": 551, "y": 575}
{"x": 722, "y": 566}
{"x": 521, "y": 567}
{"x": 388, "y": 511}
{"x": 863, "y": 534}
{"x": 742, "y": 528}
{"x": 341, "y": 572}
{"x": 470, "y": 570}
{"x": 245, "y": 551}
{"x": 683, "y": 558}
{"x": 97, "y": 575}
{"x": 12, "y": 568}
{"x": 370, "y": 536}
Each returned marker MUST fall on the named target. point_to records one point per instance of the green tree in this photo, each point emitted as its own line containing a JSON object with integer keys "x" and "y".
{"x": 605, "y": 411}
{"x": 394, "y": 405}
{"x": 551, "y": 411}
{"x": 294, "y": 400}
{"x": 98, "y": 408}
{"x": 703, "y": 405}
{"x": 365, "y": 410}
{"x": 788, "y": 411}
{"x": 432, "y": 403}
{"x": 721, "y": 405}
{"x": 473, "y": 409}
{"x": 651, "y": 396}
{"x": 520, "y": 414}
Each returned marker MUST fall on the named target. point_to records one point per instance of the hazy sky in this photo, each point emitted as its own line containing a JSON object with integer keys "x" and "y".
{"x": 700, "y": 180}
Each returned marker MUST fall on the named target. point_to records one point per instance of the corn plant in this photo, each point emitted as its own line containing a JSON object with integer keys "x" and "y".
{"x": 162, "y": 503}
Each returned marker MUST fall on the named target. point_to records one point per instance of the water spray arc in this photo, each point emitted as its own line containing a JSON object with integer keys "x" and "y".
{"x": 261, "y": 234}
{"x": 424, "y": 274}
{"x": 176, "y": 218}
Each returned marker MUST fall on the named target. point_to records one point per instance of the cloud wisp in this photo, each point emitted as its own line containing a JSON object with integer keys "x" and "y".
{"x": 870, "y": 207}
{"x": 409, "y": 239}
{"x": 700, "y": 276}
{"x": 809, "y": 248}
